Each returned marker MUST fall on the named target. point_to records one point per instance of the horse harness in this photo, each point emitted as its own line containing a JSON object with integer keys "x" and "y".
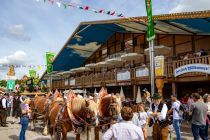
{"x": 46, "y": 106}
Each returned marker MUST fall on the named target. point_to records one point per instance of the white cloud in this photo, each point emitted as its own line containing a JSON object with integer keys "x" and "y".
{"x": 18, "y": 31}
{"x": 19, "y": 57}
{"x": 89, "y": 47}
{"x": 76, "y": 1}
{"x": 191, "y": 5}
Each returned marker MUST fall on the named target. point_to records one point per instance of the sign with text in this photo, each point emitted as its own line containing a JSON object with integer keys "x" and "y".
{"x": 192, "y": 68}
{"x": 72, "y": 82}
{"x": 159, "y": 66}
{"x": 123, "y": 75}
{"x": 142, "y": 72}
{"x": 10, "y": 85}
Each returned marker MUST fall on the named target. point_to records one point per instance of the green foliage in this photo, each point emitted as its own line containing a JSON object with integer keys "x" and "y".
{"x": 3, "y": 83}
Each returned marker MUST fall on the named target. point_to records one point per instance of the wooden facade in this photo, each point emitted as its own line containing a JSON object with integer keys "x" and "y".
{"x": 121, "y": 43}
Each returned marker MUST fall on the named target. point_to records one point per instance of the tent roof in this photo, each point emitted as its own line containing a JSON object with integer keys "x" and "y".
{"x": 89, "y": 36}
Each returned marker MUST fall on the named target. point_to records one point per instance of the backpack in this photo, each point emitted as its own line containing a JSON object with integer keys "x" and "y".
{"x": 183, "y": 113}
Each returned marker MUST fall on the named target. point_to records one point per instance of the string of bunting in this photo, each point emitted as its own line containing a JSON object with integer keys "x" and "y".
{"x": 39, "y": 67}
{"x": 88, "y": 8}
{"x": 85, "y": 8}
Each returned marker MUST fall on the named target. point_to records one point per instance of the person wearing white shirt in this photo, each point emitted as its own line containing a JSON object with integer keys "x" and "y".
{"x": 206, "y": 99}
{"x": 157, "y": 113}
{"x": 176, "y": 118}
{"x": 125, "y": 130}
{"x": 3, "y": 109}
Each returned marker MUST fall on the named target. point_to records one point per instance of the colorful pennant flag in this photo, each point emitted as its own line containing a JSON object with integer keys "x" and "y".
{"x": 86, "y": 8}
{"x": 49, "y": 61}
{"x": 32, "y": 73}
{"x": 150, "y": 30}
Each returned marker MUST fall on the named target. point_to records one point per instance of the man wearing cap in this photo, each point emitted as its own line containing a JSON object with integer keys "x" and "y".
{"x": 3, "y": 110}
{"x": 176, "y": 118}
{"x": 158, "y": 113}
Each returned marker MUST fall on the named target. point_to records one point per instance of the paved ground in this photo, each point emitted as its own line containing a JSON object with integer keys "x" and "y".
{"x": 12, "y": 133}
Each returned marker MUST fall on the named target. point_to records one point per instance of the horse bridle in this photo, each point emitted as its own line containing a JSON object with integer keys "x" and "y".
{"x": 110, "y": 118}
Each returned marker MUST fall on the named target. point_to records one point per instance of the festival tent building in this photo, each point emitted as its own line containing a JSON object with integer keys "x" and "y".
{"x": 114, "y": 53}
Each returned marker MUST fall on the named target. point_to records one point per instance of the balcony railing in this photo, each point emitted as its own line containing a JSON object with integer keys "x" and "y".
{"x": 171, "y": 66}
{"x": 110, "y": 77}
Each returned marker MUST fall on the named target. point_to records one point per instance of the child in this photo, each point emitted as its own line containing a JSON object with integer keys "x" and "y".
{"x": 27, "y": 108}
{"x": 26, "y": 114}
{"x": 143, "y": 119}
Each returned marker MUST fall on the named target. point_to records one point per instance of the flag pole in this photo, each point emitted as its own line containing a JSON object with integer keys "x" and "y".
{"x": 150, "y": 39}
{"x": 152, "y": 66}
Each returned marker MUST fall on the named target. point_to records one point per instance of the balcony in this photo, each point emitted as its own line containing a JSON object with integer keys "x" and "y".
{"x": 171, "y": 66}
{"x": 137, "y": 75}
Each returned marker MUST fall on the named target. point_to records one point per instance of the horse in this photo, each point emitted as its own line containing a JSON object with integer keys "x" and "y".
{"x": 76, "y": 115}
{"x": 109, "y": 107}
{"x": 40, "y": 107}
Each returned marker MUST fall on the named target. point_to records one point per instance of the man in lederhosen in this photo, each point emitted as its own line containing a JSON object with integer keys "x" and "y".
{"x": 158, "y": 112}
{"x": 3, "y": 110}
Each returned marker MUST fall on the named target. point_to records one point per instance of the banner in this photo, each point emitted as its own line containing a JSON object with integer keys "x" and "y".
{"x": 49, "y": 61}
{"x": 123, "y": 75}
{"x": 72, "y": 82}
{"x": 142, "y": 72}
{"x": 192, "y": 68}
{"x": 10, "y": 85}
{"x": 159, "y": 66}
{"x": 32, "y": 73}
{"x": 150, "y": 29}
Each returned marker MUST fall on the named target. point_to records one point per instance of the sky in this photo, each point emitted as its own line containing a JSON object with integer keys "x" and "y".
{"x": 30, "y": 28}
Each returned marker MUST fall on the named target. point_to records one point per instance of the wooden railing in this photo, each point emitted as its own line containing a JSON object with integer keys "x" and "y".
{"x": 110, "y": 77}
{"x": 171, "y": 66}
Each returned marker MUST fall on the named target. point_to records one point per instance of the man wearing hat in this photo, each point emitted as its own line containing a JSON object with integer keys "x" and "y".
{"x": 158, "y": 114}
{"x": 3, "y": 110}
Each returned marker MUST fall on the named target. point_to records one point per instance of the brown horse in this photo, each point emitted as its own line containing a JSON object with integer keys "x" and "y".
{"x": 40, "y": 108}
{"x": 74, "y": 115}
{"x": 109, "y": 107}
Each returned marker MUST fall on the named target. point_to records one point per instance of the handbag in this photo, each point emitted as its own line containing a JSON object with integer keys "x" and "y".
{"x": 164, "y": 123}
{"x": 151, "y": 122}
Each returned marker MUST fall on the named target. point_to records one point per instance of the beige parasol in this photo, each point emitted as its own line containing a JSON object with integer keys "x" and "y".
{"x": 131, "y": 56}
{"x": 159, "y": 50}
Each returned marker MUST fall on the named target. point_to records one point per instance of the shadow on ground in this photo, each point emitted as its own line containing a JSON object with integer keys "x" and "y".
{"x": 13, "y": 137}
{"x": 41, "y": 138}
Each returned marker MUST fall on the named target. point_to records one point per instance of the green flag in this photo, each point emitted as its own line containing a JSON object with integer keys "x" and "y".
{"x": 150, "y": 30}
{"x": 10, "y": 85}
{"x": 49, "y": 60}
{"x": 32, "y": 73}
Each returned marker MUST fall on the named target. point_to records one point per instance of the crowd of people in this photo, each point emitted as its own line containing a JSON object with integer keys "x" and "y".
{"x": 134, "y": 120}
{"x": 16, "y": 106}
{"x": 189, "y": 55}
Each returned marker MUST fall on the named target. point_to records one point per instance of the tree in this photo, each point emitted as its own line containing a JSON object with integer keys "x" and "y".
{"x": 3, "y": 83}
